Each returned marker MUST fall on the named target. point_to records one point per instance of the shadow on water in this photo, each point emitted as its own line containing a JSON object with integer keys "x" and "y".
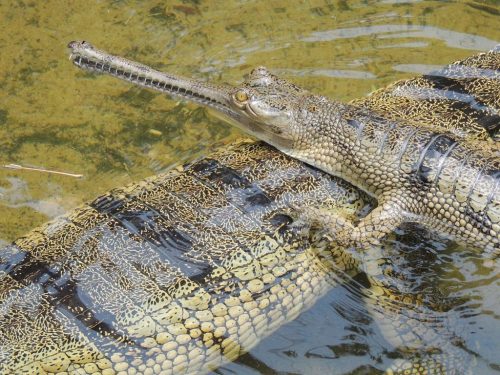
{"x": 55, "y": 117}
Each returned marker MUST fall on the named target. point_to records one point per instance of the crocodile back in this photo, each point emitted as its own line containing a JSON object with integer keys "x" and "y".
{"x": 462, "y": 98}
{"x": 180, "y": 271}
{"x": 458, "y": 102}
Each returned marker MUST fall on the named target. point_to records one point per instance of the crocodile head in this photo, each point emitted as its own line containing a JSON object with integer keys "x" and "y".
{"x": 264, "y": 105}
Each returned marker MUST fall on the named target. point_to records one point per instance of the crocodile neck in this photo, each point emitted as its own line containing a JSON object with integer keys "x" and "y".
{"x": 352, "y": 143}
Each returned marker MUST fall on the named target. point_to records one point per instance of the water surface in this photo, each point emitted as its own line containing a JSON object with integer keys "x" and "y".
{"x": 54, "y": 117}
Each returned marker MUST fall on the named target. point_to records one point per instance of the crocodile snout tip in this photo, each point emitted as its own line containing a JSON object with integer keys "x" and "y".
{"x": 75, "y": 44}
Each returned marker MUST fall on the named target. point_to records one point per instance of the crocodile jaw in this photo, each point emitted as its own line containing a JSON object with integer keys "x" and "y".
{"x": 220, "y": 98}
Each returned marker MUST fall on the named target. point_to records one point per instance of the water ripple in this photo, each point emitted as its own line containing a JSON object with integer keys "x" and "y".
{"x": 450, "y": 38}
{"x": 337, "y": 73}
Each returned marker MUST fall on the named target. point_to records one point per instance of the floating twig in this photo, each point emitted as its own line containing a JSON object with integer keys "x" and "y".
{"x": 20, "y": 167}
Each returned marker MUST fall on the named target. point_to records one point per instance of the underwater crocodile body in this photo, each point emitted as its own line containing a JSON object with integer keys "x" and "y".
{"x": 180, "y": 271}
{"x": 416, "y": 173}
{"x": 187, "y": 270}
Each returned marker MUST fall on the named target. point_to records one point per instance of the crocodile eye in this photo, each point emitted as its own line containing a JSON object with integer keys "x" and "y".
{"x": 241, "y": 96}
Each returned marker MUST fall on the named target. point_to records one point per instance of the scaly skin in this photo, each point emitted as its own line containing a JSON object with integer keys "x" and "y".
{"x": 177, "y": 274}
{"x": 414, "y": 173}
{"x": 417, "y": 174}
{"x": 187, "y": 270}
{"x": 462, "y": 98}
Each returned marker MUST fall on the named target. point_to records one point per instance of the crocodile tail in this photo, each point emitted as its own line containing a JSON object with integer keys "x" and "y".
{"x": 443, "y": 361}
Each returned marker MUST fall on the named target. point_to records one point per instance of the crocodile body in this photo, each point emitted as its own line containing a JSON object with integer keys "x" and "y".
{"x": 179, "y": 273}
{"x": 416, "y": 173}
{"x": 185, "y": 271}
{"x": 462, "y": 98}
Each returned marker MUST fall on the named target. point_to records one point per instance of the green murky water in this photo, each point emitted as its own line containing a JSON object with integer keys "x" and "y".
{"x": 55, "y": 117}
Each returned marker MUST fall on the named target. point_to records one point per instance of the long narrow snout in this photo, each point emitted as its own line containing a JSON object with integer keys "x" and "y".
{"x": 86, "y": 57}
{"x": 217, "y": 97}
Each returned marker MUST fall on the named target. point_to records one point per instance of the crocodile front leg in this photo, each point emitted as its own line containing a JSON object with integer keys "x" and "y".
{"x": 391, "y": 212}
{"x": 366, "y": 235}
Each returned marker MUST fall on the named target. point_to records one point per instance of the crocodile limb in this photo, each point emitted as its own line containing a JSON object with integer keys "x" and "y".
{"x": 415, "y": 173}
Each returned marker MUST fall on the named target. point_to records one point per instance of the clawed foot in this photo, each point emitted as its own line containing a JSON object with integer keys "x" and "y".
{"x": 325, "y": 222}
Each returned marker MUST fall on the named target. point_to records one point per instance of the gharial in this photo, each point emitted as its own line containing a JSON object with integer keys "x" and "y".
{"x": 187, "y": 270}
{"x": 415, "y": 173}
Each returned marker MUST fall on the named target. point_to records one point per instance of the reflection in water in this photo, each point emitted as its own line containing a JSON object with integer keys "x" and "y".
{"x": 354, "y": 74}
{"x": 55, "y": 117}
{"x": 17, "y": 195}
{"x": 416, "y": 68}
{"x": 354, "y": 329}
{"x": 450, "y": 38}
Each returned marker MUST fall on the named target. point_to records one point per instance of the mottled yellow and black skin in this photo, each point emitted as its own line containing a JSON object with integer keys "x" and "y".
{"x": 462, "y": 98}
{"x": 185, "y": 271}
{"x": 179, "y": 273}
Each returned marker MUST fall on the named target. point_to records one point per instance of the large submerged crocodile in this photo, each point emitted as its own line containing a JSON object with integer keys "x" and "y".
{"x": 187, "y": 270}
